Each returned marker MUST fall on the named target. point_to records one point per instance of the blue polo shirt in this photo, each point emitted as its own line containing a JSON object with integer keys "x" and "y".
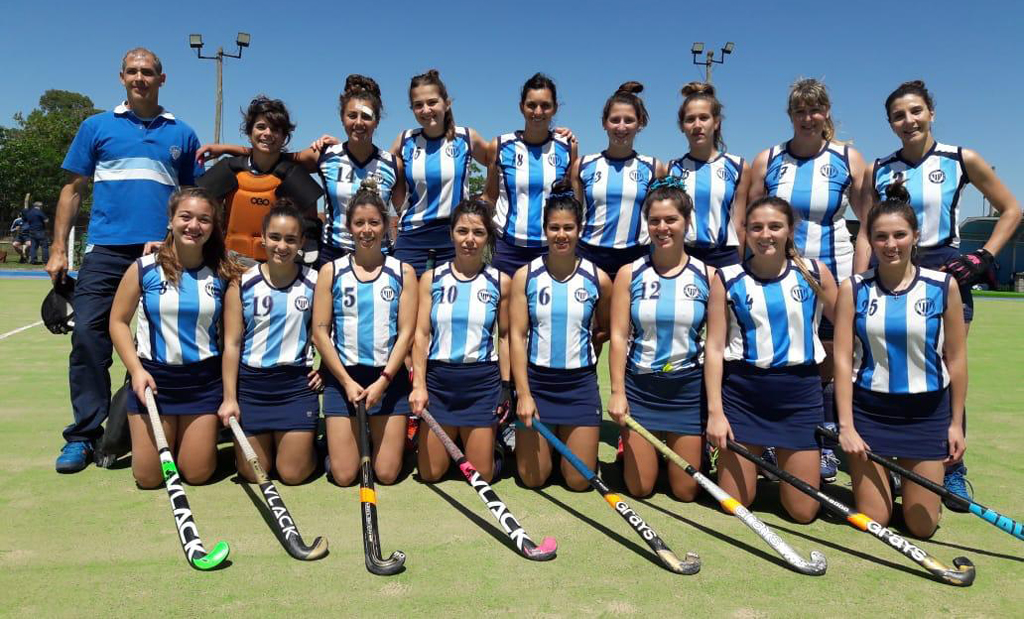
{"x": 35, "y": 220}
{"x": 135, "y": 165}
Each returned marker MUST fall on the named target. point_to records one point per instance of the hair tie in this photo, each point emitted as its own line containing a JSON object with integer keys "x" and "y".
{"x": 568, "y": 193}
{"x": 668, "y": 181}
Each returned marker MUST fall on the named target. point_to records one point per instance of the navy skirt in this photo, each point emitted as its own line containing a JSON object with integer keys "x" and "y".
{"x": 412, "y": 246}
{"x": 191, "y": 389}
{"x": 610, "y": 260}
{"x": 911, "y": 425}
{"x": 565, "y": 397}
{"x": 464, "y": 394}
{"x": 508, "y": 258}
{"x": 394, "y": 402}
{"x": 668, "y": 402}
{"x": 717, "y": 257}
{"x": 774, "y": 407}
{"x": 276, "y": 399}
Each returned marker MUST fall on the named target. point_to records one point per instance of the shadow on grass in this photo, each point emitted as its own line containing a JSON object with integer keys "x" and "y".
{"x": 474, "y": 518}
{"x": 609, "y": 433}
{"x": 987, "y": 553}
{"x": 603, "y": 529}
{"x": 264, "y": 511}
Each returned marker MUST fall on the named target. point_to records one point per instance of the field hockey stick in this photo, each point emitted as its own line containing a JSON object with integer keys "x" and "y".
{"x": 501, "y": 513}
{"x": 962, "y": 573}
{"x": 991, "y": 516}
{"x": 691, "y": 565}
{"x": 188, "y": 533}
{"x": 287, "y": 530}
{"x": 368, "y": 506}
{"x": 815, "y": 567}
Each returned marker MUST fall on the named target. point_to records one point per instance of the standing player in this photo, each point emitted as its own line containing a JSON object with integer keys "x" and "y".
{"x": 136, "y": 156}
{"x": 523, "y": 166}
{"x": 179, "y": 293}
{"x": 935, "y": 174}
{"x": 249, "y": 183}
{"x": 716, "y": 181}
{"x": 460, "y": 354}
{"x": 364, "y": 315}
{"x": 658, "y": 311}
{"x": 269, "y": 380}
{"x": 612, "y": 185}
{"x": 20, "y": 244}
{"x": 558, "y": 320}
{"x": 437, "y": 159}
{"x": 763, "y": 323}
{"x": 819, "y": 177}
{"x": 902, "y": 327}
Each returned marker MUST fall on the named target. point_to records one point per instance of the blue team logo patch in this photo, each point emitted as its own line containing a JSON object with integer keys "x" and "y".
{"x": 725, "y": 175}
{"x": 690, "y": 291}
{"x": 937, "y": 176}
{"x": 685, "y": 174}
{"x": 800, "y": 293}
{"x": 925, "y": 307}
{"x": 581, "y": 295}
{"x": 175, "y": 153}
{"x": 209, "y": 288}
{"x": 387, "y": 293}
{"x": 638, "y": 176}
{"x": 377, "y": 177}
{"x": 555, "y": 160}
{"x": 484, "y": 296}
{"x": 302, "y": 303}
{"x": 163, "y": 287}
{"x": 828, "y": 171}
{"x": 449, "y": 150}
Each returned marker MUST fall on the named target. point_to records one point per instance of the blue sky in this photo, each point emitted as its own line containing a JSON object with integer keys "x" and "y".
{"x": 969, "y": 53}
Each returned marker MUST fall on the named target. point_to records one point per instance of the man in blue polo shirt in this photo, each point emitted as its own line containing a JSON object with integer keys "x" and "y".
{"x": 135, "y": 156}
{"x": 36, "y": 220}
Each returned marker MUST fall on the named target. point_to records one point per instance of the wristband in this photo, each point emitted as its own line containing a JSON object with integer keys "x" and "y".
{"x": 387, "y": 376}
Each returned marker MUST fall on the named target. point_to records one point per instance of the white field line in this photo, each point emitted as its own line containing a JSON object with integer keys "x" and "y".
{"x": 20, "y": 329}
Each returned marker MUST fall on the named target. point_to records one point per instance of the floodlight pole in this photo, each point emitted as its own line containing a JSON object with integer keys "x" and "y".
{"x": 195, "y": 41}
{"x": 709, "y": 59}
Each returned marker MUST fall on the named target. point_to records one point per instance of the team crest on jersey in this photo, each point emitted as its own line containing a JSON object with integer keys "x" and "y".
{"x": 690, "y": 291}
{"x": 725, "y": 175}
{"x": 175, "y": 153}
{"x": 638, "y": 176}
{"x": 163, "y": 287}
{"x": 581, "y": 295}
{"x": 449, "y": 150}
{"x": 828, "y": 170}
{"x": 685, "y": 174}
{"x": 924, "y": 307}
{"x": 302, "y": 303}
{"x": 937, "y": 176}
{"x": 387, "y": 293}
{"x": 800, "y": 293}
{"x": 209, "y": 288}
{"x": 554, "y": 159}
{"x": 377, "y": 177}
{"x": 484, "y": 296}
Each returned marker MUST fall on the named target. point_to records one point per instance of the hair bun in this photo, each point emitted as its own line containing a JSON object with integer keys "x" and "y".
{"x": 698, "y": 88}
{"x": 633, "y": 88}
{"x": 914, "y": 84}
{"x": 562, "y": 186}
{"x": 368, "y": 184}
{"x": 897, "y": 191}
{"x": 360, "y": 83}
{"x": 433, "y": 73}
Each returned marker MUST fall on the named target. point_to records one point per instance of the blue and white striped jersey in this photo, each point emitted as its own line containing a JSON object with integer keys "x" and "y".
{"x": 178, "y": 325}
{"x": 366, "y": 313}
{"x": 561, "y": 315}
{"x": 527, "y": 173}
{"x": 277, "y": 321}
{"x": 899, "y": 337}
{"x": 711, "y": 186}
{"x": 342, "y": 174}
{"x": 935, "y": 185}
{"x": 464, "y": 316}
{"x": 614, "y": 192}
{"x": 817, "y": 189}
{"x": 667, "y": 315}
{"x": 436, "y": 174}
{"x": 772, "y": 323}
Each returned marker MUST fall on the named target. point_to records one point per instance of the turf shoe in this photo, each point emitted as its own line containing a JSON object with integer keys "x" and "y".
{"x": 956, "y": 482}
{"x": 829, "y": 466}
{"x": 74, "y": 456}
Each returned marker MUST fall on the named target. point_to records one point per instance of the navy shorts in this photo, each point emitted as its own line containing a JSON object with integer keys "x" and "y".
{"x": 412, "y": 246}
{"x": 903, "y": 425}
{"x": 565, "y": 397}
{"x": 276, "y": 399}
{"x": 329, "y": 253}
{"x": 717, "y": 257}
{"x": 191, "y": 389}
{"x": 774, "y": 407}
{"x": 507, "y": 257}
{"x": 464, "y": 394}
{"x": 611, "y": 260}
{"x": 394, "y": 402}
{"x": 668, "y": 402}
{"x": 935, "y": 258}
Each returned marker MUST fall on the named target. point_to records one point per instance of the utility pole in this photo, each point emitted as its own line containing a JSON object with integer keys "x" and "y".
{"x": 195, "y": 41}
{"x": 709, "y": 59}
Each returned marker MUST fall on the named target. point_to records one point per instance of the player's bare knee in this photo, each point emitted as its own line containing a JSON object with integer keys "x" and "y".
{"x": 147, "y": 481}
{"x": 386, "y": 474}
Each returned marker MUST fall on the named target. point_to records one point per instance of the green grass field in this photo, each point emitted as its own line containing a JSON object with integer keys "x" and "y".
{"x": 92, "y": 544}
